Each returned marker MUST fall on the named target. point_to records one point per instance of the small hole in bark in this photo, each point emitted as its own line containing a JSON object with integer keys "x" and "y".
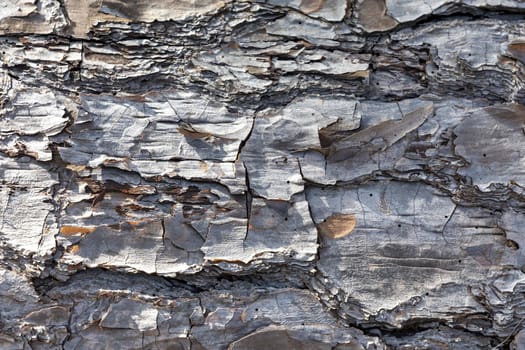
{"x": 371, "y": 194}
{"x": 285, "y": 219}
{"x": 288, "y": 181}
{"x": 513, "y": 245}
{"x": 398, "y": 225}
{"x": 484, "y": 154}
{"x": 459, "y": 261}
{"x": 446, "y": 216}
{"x": 256, "y": 309}
{"x": 426, "y": 293}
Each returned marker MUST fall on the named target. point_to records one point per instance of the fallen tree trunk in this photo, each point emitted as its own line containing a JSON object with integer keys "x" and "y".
{"x": 315, "y": 174}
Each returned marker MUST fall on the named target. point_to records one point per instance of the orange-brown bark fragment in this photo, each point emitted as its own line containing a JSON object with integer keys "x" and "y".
{"x": 73, "y": 230}
{"x": 337, "y": 226}
{"x": 73, "y": 249}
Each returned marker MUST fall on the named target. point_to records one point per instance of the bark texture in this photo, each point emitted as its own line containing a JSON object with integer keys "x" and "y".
{"x": 285, "y": 174}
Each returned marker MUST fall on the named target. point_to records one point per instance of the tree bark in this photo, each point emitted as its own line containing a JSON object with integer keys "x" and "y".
{"x": 255, "y": 174}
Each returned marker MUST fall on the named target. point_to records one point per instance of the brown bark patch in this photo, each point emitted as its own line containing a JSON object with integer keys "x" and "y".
{"x": 517, "y": 49}
{"x": 337, "y": 225}
{"x": 73, "y": 230}
{"x": 373, "y": 17}
{"x": 73, "y": 249}
{"x": 309, "y": 6}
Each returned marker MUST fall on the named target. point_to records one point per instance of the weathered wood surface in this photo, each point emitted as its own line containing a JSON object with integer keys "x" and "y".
{"x": 295, "y": 174}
